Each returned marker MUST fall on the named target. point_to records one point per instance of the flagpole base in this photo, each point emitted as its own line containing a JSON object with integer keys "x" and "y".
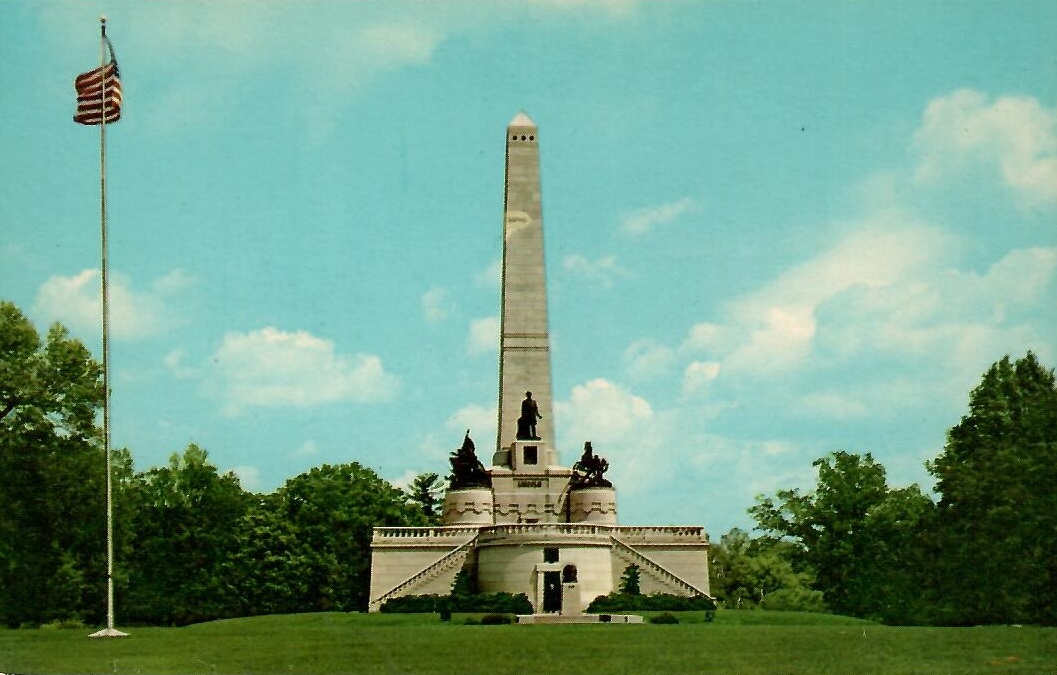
{"x": 107, "y": 633}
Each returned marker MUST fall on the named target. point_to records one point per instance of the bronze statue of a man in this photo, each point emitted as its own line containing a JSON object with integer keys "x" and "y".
{"x": 526, "y": 424}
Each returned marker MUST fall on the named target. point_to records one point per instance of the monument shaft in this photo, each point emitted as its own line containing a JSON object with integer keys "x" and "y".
{"x": 524, "y": 349}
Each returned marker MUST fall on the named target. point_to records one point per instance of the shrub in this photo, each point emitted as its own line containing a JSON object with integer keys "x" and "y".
{"x": 660, "y": 602}
{"x": 412, "y": 604}
{"x": 496, "y": 619}
{"x": 495, "y": 603}
{"x": 794, "y": 599}
{"x": 666, "y": 617}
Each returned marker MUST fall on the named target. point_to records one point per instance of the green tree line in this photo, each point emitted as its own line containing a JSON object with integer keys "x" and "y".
{"x": 190, "y": 543}
{"x": 193, "y": 545}
{"x": 984, "y": 552}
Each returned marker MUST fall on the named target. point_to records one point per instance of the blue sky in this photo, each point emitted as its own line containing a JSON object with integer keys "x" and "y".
{"x": 773, "y": 229}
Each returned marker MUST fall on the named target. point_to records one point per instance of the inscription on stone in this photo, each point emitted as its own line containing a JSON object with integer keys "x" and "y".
{"x": 530, "y": 483}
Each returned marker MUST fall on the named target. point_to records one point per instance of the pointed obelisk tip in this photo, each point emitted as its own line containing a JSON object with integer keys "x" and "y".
{"x": 521, "y": 120}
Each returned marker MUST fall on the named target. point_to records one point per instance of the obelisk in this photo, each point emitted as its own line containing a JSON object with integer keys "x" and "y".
{"x": 524, "y": 347}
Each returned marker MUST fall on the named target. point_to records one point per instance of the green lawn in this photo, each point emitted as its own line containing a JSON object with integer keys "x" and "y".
{"x": 737, "y": 642}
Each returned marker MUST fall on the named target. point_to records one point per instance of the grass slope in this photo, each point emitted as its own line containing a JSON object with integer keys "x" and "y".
{"x": 737, "y": 642}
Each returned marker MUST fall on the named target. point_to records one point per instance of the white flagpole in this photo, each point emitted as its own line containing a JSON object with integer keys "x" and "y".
{"x": 109, "y": 631}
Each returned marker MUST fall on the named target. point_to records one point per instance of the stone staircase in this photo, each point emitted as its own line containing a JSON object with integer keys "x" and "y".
{"x": 659, "y": 571}
{"x": 454, "y": 557}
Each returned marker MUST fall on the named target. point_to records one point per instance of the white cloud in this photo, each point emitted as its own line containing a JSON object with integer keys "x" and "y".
{"x": 481, "y": 421}
{"x": 647, "y": 358}
{"x": 249, "y": 477}
{"x": 888, "y": 331}
{"x": 271, "y": 368}
{"x": 307, "y": 449}
{"x": 602, "y": 411}
{"x": 338, "y": 53}
{"x": 1014, "y": 133}
{"x": 835, "y": 405}
{"x": 1017, "y": 279}
{"x": 617, "y": 8}
{"x": 772, "y": 448}
{"x": 437, "y": 305}
{"x": 622, "y": 427}
{"x": 174, "y": 282}
{"x": 947, "y": 315}
{"x": 880, "y": 291}
{"x": 174, "y": 361}
{"x": 886, "y": 314}
{"x": 705, "y": 336}
{"x": 134, "y": 314}
{"x": 699, "y": 374}
{"x": 644, "y": 220}
{"x": 404, "y": 481}
{"x": 73, "y": 300}
{"x": 603, "y": 272}
{"x": 395, "y": 44}
{"x": 878, "y": 252}
{"x": 484, "y": 335}
{"x": 351, "y": 56}
{"x": 781, "y": 341}
{"x": 436, "y": 445}
{"x": 492, "y": 276}
{"x": 748, "y": 467}
{"x": 774, "y": 329}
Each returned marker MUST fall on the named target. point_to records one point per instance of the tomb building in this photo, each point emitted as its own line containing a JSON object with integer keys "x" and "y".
{"x": 527, "y": 523}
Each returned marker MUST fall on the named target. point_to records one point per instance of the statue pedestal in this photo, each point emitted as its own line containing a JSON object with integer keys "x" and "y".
{"x": 469, "y": 506}
{"x": 526, "y": 456}
{"x": 597, "y": 506}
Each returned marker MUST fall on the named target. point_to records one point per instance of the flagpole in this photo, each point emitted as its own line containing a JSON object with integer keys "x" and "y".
{"x": 109, "y": 631}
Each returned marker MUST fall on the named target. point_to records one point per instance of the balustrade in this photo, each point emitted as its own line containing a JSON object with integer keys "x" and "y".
{"x": 638, "y": 534}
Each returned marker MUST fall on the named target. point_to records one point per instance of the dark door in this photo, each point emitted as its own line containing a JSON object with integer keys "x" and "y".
{"x": 552, "y": 592}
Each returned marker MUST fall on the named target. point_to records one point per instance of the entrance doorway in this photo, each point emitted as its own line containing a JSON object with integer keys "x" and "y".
{"x": 552, "y": 592}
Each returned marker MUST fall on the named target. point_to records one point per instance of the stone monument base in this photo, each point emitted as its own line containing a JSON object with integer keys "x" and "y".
{"x": 560, "y": 567}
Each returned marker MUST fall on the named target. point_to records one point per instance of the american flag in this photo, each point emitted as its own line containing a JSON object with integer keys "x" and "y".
{"x": 99, "y": 93}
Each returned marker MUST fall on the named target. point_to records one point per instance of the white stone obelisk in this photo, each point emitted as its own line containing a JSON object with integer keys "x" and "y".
{"x": 524, "y": 350}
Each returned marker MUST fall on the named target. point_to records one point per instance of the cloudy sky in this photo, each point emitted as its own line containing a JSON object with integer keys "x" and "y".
{"x": 773, "y": 229}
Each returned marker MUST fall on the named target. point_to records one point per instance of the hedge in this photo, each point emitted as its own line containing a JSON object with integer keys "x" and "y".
{"x": 493, "y": 603}
{"x": 660, "y": 602}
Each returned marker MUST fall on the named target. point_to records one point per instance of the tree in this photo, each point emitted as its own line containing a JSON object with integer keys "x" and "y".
{"x": 997, "y": 520}
{"x": 186, "y": 523}
{"x": 464, "y": 584}
{"x": 51, "y": 462}
{"x": 630, "y": 580}
{"x": 425, "y": 491}
{"x": 860, "y": 538}
{"x": 208, "y": 550}
{"x": 269, "y": 570}
{"x": 747, "y": 572}
{"x": 54, "y": 389}
{"x": 333, "y": 511}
